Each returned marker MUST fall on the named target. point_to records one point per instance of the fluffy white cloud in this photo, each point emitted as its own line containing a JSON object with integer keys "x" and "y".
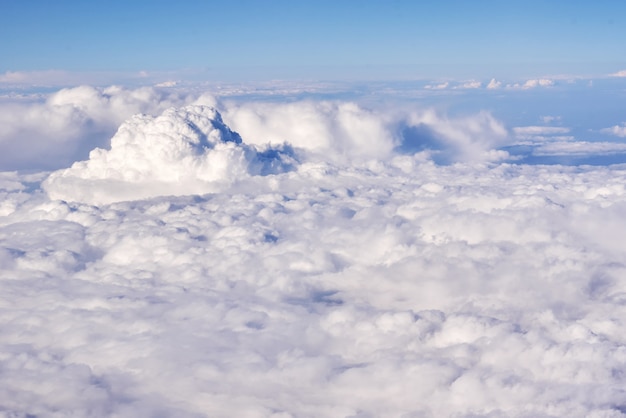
{"x": 182, "y": 151}
{"x": 336, "y": 130}
{"x": 472, "y": 138}
{"x": 621, "y": 73}
{"x": 403, "y": 289}
{"x": 538, "y": 83}
{"x": 344, "y": 131}
{"x": 361, "y": 280}
{"x": 71, "y": 122}
{"x": 531, "y": 84}
{"x": 470, "y": 85}
{"x": 494, "y": 84}
{"x": 616, "y": 130}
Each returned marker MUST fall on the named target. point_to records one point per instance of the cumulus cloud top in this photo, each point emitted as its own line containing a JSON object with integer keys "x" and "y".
{"x": 617, "y": 130}
{"x": 183, "y": 151}
{"x": 473, "y": 84}
{"x": 542, "y": 82}
{"x": 494, "y": 84}
{"x": 531, "y": 84}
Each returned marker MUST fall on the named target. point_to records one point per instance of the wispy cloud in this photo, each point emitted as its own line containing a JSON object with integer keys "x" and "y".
{"x": 472, "y": 84}
{"x": 550, "y": 118}
{"x": 440, "y": 86}
{"x": 540, "y": 130}
{"x": 579, "y": 148}
{"x": 621, "y": 73}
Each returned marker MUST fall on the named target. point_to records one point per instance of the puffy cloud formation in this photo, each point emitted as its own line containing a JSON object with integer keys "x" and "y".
{"x": 531, "y": 84}
{"x": 494, "y": 84}
{"x": 344, "y": 131}
{"x": 542, "y": 82}
{"x": 621, "y": 73}
{"x": 402, "y": 289}
{"x": 365, "y": 280}
{"x": 334, "y": 130}
{"x": 474, "y": 138}
{"x": 190, "y": 150}
{"x": 71, "y": 122}
{"x": 470, "y": 85}
{"x": 183, "y": 151}
{"x": 616, "y": 130}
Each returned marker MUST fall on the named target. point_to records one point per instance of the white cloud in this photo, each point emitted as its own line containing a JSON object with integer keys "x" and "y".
{"x": 470, "y": 85}
{"x": 167, "y": 84}
{"x": 621, "y": 73}
{"x": 440, "y": 86}
{"x": 183, "y": 151}
{"x": 540, "y": 130}
{"x": 538, "y": 83}
{"x": 70, "y": 122}
{"x": 580, "y": 148}
{"x": 531, "y": 84}
{"x": 550, "y": 119}
{"x": 538, "y": 136}
{"x": 616, "y": 130}
{"x": 471, "y": 138}
{"x": 494, "y": 84}
{"x": 336, "y": 130}
{"x": 34, "y": 77}
{"x": 367, "y": 281}
{"x": 415, "y": 289}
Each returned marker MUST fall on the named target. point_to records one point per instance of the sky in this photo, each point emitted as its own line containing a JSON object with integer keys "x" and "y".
{"x": 316, "y": 40}
{"x": 312, "y": 209}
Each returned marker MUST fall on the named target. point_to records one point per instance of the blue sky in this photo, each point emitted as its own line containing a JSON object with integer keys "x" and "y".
{"x": 321, "y": 39}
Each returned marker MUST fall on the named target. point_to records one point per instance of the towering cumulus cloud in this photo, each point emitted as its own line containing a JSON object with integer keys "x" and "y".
{"x": 184, "y": 151}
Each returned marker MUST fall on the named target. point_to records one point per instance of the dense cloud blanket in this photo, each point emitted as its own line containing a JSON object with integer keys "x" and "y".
{"x": 393, "y": 289}
{"x": 185, "y": 271}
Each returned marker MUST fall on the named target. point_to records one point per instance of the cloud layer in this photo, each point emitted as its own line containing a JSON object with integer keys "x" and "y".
{"x": 307, "y": 258}
{"x": 394, "y": 289}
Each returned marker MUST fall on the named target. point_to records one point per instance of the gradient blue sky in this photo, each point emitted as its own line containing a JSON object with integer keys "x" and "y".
{"x": 316, "y": 39}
